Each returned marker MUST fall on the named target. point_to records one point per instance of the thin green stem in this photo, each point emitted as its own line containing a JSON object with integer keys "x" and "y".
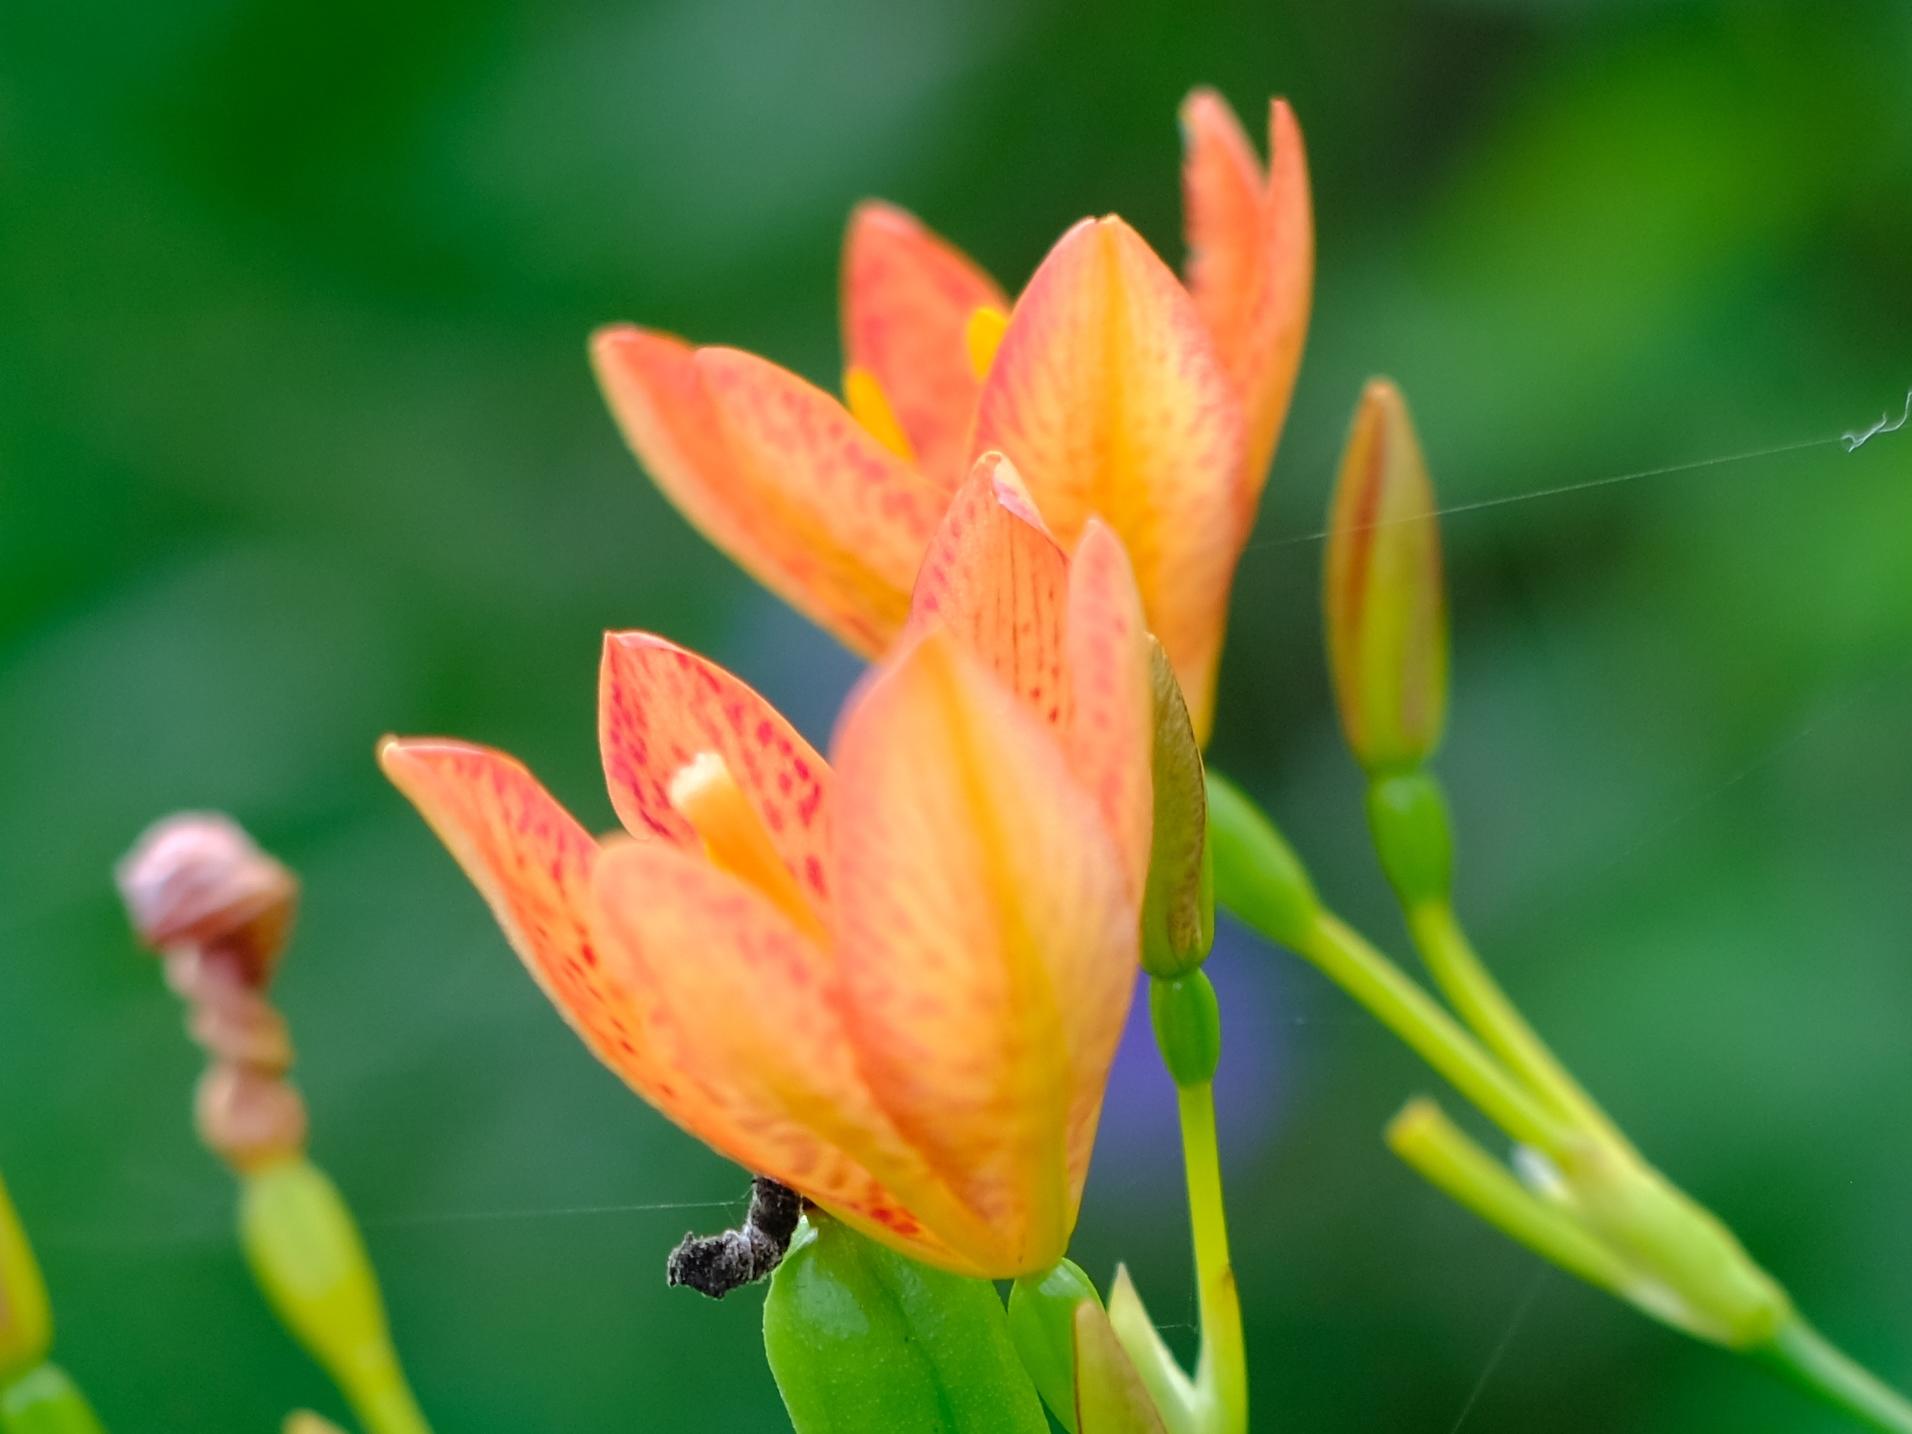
{"x": 1221, "y": 1375}
{"x": 1447, "y": 1159}
{"x": 1801, "y": 1354}
{"x": 1404, "y": 1007}
{"x": 1472, "y": 990}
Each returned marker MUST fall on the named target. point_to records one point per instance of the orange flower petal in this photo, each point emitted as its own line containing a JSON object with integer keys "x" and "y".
{"x": 1111, "y": 723}
{"x": 776, "y": 473}
{"x": 995, "y": 579}
{"x": 986, "y": 938}
{"x": 907, "y": 301}
{"x": 532, "y": 863}
{"x": 1108, "y": 397}
{"x": 755, "y": 1005}
{"x": 660, "y": 706}
{"x": 1250, "y": 261}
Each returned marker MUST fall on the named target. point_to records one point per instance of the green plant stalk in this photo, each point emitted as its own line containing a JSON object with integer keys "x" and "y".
{"x": 1800, "y": 1354}
{"x": 1452, "y": 1163}
{"x": 1471, "y": 989}
{"x": 1679, "y": 1263}
{"x": 309, "y": 1260}
{"x": 1402, "y": 1005}
{"x": 45, "y": 1401}
{"x": 1221, "y": 1373}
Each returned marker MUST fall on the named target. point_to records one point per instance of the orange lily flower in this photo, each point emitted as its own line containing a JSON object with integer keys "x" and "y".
{"x": 1117, "y": 392}
{"x": 893, "y": 982}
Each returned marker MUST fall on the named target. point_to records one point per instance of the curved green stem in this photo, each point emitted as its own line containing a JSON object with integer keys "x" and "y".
{"x": 1221, "y": 1375}
{"x": 1802, "y": 1355}
{"x": 1472, "y": 990}
{"x": 1404, "y": 1007}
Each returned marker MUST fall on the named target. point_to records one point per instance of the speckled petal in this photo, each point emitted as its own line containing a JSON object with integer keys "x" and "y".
{"x": 986, "y": 938}
{"x": 908, "y": 297}
{"x": 1109, "y": 398}
{"x": 660, "y": 705}
{"x": 1250, "y": 261}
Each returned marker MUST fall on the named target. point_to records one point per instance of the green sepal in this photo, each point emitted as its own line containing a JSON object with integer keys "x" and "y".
{"x": 1110, "y": 1395}
{"x": 1178, "y": 906}
{"x": 1412, "y": 835}
{"x": 45, "y": 1401}
{"x": 1188, "y": 1027}
{"x": 1257, "y": 874}
{"x": 862, "y": 1340}
{"x": 1042, "y": 1324}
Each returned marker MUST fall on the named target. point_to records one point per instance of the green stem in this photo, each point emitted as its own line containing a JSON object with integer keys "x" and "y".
{"x": 1471, "y": 989}
{"x": 45, "y": 1401}
{"x": 1221, "y": 1375}
{"x": 1404, "y": 1007}
{"x": 1801, "y": 1354}
{"x": 1447, "y": 1159}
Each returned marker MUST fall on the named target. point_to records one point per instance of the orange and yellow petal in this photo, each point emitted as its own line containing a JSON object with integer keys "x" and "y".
{"x": 1250, "y": 264}
{"x": 754, "y": 1006}
{"x": 908, "y": 301}
{"x": 532, "y": 863}
{"x": 1109, "y": 398}
{"x": 776, "y": 472}
{"x": 661, "y": 706}
{"x": 997, "y": 581}
{"x": 986, "y": 939}
{"x": 1111, "y": 720}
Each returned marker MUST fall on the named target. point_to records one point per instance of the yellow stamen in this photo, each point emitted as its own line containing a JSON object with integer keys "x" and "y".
{"x": 982, "y": 336}
{"x": 870, "y": 406}
{"x": 707, "y": 796}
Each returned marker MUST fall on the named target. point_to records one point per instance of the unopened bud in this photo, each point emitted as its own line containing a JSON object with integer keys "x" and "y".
{"x": 196, "y": 881}
{"x": 26, "y": 1326}
{"x": 1386, "y": 606}
{"x": 1178, "y": 908}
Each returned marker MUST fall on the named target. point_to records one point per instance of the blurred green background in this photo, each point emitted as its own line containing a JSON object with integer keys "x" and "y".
{"x": 298, "y": 445}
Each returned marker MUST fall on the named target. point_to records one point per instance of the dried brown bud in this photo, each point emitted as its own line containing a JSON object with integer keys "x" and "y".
{"x": 248, "y": 1117}
{"x": 196, "y": 881}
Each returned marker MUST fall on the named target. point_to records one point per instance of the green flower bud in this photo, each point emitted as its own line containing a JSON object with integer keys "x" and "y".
{"x": 863, "y": 1340}
{"x": 1188, "y": 1027}
{"x": 1178, "y": 909}
{"x": 1385, "y": 604}
{"x": 1042, "y": 1323}
{"x": 1408, "y": 816}
{"x": 26, "y": 1324}
{"x": 306, "y": 1255}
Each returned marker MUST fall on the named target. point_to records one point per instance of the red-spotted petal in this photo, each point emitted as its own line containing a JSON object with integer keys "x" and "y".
{"x": 1108, "y": 397}
{"x": 532, "y": 863}
{"x": 775, "y": 472}
{"x": 1250, "y": 261}
{"x": 755, "y": 1006}
{"x": 986, "y": 938}
{"x": 1111, "y": 732}
{"x": 660, "y": 706}
{"x": 907, "y": 301}
{"x": 997, "y": 581}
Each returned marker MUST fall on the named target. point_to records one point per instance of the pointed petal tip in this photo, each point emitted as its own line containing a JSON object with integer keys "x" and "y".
{"x": 876, "y": 213}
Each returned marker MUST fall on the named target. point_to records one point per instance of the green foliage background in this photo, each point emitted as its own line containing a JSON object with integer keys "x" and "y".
{"x": 297, "y": 445}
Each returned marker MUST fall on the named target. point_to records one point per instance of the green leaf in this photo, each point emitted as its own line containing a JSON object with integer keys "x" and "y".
{"x": 865, "y": 1341}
